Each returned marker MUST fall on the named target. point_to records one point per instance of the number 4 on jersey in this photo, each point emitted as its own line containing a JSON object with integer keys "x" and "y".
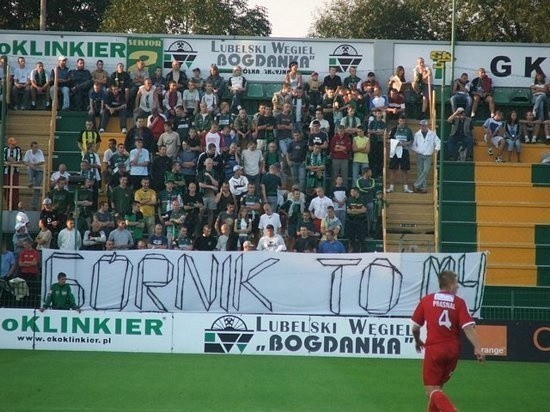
{"x": 444, "y": 319}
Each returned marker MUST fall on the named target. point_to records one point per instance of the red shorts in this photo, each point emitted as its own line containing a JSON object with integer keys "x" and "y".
{"x": 439, "y": 363}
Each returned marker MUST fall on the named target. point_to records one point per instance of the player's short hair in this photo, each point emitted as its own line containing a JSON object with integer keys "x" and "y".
{"x": 446, "y": 278}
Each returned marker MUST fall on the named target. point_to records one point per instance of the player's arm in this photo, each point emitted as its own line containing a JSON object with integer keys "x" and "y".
{"x": 471, "y": 334}
{"x": 418, "y": 343}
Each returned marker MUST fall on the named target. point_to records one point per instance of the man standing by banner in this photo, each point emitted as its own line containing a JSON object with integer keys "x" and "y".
{"x": 60, "y": 296}
{"x": 444, "y": 314}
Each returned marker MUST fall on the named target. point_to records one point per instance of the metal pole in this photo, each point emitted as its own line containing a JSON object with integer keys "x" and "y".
{"x": 3, "y": 114}
{"x": 453, "y": 39}
{"x": 441, "y": 157}
{"x": 42, "y": 15}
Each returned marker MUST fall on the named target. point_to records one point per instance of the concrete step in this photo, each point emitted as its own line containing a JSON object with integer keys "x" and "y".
{"x": 511, "y": 275}
{"x": 523, "y": 212}
{"x": 511, "y": 192}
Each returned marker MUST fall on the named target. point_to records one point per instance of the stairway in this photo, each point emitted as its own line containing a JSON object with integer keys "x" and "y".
{"x": 26, "y": 127}
{"x": 410, "y": 221}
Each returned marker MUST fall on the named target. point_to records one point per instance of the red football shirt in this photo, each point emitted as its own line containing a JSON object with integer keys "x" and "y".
{"x": 28, "y": 255}
{"x": 445, "y": 315}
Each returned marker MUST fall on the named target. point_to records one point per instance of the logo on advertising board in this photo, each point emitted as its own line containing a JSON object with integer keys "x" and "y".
{"x": 228, "y": 334}
{"x": 493, "y": 339}
{"x": 147, "y": 49}
{"x": 344, "y": 57}
{"x": 181, "y": 51}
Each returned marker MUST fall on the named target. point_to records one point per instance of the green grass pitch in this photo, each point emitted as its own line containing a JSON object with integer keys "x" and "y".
{"x": 137, "y": 382}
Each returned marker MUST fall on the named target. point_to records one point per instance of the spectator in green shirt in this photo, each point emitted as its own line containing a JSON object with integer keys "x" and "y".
{"x": 60, "y": 296}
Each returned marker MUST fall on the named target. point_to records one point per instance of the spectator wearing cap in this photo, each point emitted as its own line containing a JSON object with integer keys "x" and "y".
{"x": 21, "y": 234}
{"x": 313, "y": 89}
{"x": 44, "y": 237}
{"x": 12, "y": 158}
{"x": 424, "y": 144}
{"x": 461, "y": 134}
{"x": 63, "y": 83}
{"x": 270, "y": 241}
{"x": 368, "y": 85}
{"x": 50, "y": 216}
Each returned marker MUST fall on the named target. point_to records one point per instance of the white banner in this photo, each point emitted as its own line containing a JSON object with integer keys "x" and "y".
{"x": 85, "y": 331}
{"x": 207, "y": 333}
{"x": 508, "y": 65}
{"x": 267, "y": 59}
{"x": 294, "y": 335}
{"x": 46, "y": 48}
{"x": 373, "y": 284}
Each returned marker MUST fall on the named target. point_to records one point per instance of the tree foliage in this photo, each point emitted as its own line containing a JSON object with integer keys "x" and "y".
{"x": 476, "y": 20}
{"x": 223, "y": 17}
{"x": 61, "y": 15}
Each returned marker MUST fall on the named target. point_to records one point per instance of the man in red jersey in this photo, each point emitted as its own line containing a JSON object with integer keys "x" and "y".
{"x": 444, "y": 314}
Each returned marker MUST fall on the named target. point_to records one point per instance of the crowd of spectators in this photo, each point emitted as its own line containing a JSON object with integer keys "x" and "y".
{"x": 196, "y": 171}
